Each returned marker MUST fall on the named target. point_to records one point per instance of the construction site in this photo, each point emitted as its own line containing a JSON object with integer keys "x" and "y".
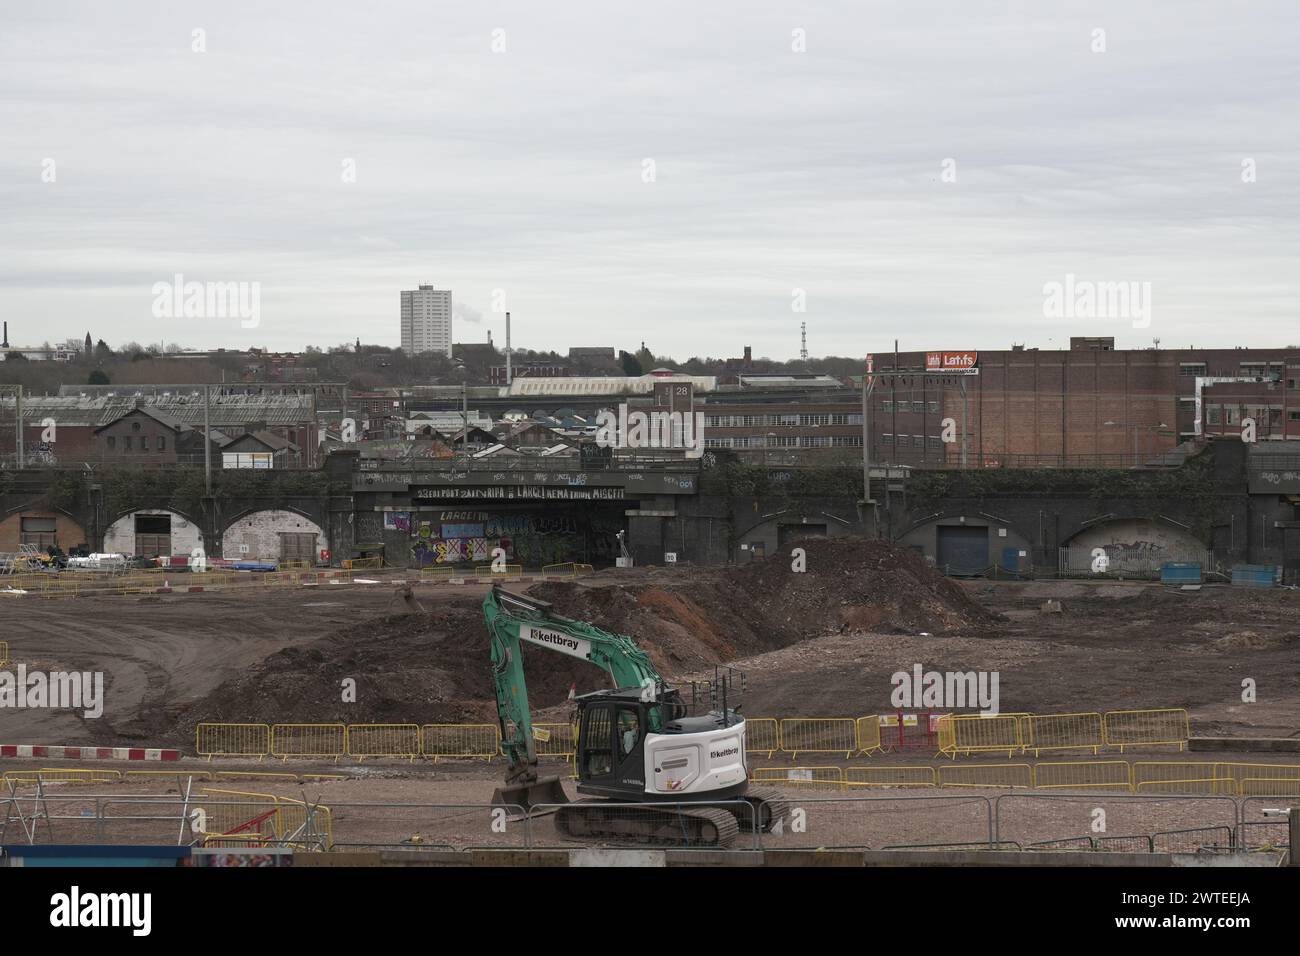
{"x": 362, "y": 712}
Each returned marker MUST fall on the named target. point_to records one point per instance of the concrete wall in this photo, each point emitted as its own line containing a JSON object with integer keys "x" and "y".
{"x": 68, "y": 533}
{"x": 261, "y": 530}
{"x": 120, "y": 536}
{"x": 1136, "y": 535}
{"x": 925, "y": 538}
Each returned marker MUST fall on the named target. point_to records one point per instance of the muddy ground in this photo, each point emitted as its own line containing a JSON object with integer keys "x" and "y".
{"x": 822, "y": 642}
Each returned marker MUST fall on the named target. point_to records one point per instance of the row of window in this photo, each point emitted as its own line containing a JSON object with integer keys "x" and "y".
{"x": 787, "y": 441}
{"x": 915, "y": 441}
{"x": 1233, "y": 414}
{"x": 792, "y": 419}
{"x": 144, "y": 442}
{"x": 908, "y": 406}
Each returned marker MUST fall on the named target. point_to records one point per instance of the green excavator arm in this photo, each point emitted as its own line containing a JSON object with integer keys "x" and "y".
{"x": 514, "y": 620}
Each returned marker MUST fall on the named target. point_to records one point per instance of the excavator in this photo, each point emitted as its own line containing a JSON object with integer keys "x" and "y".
{"x": 649, "y": 771}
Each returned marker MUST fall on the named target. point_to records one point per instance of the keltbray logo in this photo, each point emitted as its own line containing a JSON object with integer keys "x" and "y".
{"x": 550, "y": 637}
{"x": 947, "y": 690}
{"x": 679, "y": 431}
{"x": 54, "y": 690}
{"x": 76, "y": 909}
{"x": 728, "y": 752}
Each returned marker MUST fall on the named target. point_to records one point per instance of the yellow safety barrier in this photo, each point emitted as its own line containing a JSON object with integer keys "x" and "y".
{"x": 1268, "y": 787}
{"x": 867, "y": 734}
{"x": 1083, "y": 775}
{"x": 1126, "y": 728}
{"x": 1009, "y": 775}
{"x": 974, "y": 733}
{"x": 813, "y": 777}
{"x": 460, "y": 740}
{"x": 890, "y": 777}
{"x": 1268, "y": 771}
{"x": 501, "y": 571}
{"x": 359, "y": 564}
{"x": 297, "y": 825}
{"x": 308, "y": 740}
{"x": 762, "y": 735}
{"x": 819, "y": 735}
{"x": 438, "y": 571}
{"x": 1179, "y": 776}
{"x": 65, "y": 775}
{"x": 232, "y": 740}
{"x": 563, "y": 570}
{"x": 238, "y": 814}
{"x": 556, "y": 740}
{"x": 254, "y": 775}
{"x": 581, "y": 569}
{"x": 384, "y": 740}
{"x": 197, "y": 774}
{"x": 1063, "y": 732}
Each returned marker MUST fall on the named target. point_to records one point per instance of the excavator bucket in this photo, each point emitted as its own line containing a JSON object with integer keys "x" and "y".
{"x": 544, "y": 791}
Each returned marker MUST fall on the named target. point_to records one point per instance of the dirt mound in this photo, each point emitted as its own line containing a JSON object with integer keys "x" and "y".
{"x": 688, "y": 618}
{"x": 412, "y": 668}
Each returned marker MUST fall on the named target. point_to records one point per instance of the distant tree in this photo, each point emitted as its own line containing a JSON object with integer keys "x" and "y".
{"x": 102, "y": 351}
{"x": 97, "y": 377}
{"x": 630, "y": 364}
{"x": 85, "y": 354}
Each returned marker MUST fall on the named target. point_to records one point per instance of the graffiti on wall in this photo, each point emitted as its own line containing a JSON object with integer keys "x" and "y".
{"x": 529, "y": 538}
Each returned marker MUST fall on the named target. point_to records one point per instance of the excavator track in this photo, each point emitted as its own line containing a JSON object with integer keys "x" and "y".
{"x": 647, "y": 825}
{"x": 769, "y": 803}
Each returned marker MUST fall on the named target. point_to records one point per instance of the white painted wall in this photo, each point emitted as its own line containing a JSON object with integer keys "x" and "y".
{"x": 120, "y": 536}
{"x": 1155, "y": 537}
{"x": 261, "y": 532}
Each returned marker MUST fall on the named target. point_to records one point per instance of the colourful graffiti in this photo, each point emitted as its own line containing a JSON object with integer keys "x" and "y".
{"x": 397, "y": 521}
{"x": 531, "y": 539}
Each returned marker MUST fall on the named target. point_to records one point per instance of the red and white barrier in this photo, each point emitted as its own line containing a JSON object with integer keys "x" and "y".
{"x": 89, "y": 753}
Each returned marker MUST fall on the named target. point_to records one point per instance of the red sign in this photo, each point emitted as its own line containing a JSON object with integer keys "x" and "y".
{"x": 950, "y": 361}
{"x": 870, "y": 363}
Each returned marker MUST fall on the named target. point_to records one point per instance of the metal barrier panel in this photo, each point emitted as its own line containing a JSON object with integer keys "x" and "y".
{"x": 65, "y": 775}
{"x": 972, "y": 733}
{"x": 1030, "y": 816}
{"x": 1181, "y": 776}
{"x": 1268, "y": 787}
{"x": 762, "y": 735}
{"x": 1138, "y": 843}
{"x": 1279, "y": 772}
{"x": 308, "y": 740}
{"x": 868, "y": 735}
{"x": 440, "y": 571}
{"x": 4, "y": 653}
{"x": 890, "y": 777}
{"x": 1124, "y": 728}
{"x": 460, "y": 740}
{"x": 232, "y": 740}
{"x": 1063, "y": 732}
{"x": 384, "y": 740}
{"x": 1192, "y": 840}
{"x": 238, "y": 813}
{"x": 414, "y": 825}
{"x": 818, "y": 735}
{"x": 506, "y": 571}
{"x": 860, "y": 822}
{"x": 814, "y": 777}
{"x": 1011, "y": 775}
{"x": 556, "y": 740}
{"x": 1121, "y": 562}
{"x": 581, "y": 569}
{"x": 298, "y": 824}
{"x": 564, "y": 569}
{"x": 1083, "y": 774}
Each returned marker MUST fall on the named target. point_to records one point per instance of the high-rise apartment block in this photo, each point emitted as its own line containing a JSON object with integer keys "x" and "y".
{"x": 426, "y": 321}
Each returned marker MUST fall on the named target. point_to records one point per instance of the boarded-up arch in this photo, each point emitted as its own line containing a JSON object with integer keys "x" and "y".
{"x": 273, "y": 535}
{"x": 153, "y": 531}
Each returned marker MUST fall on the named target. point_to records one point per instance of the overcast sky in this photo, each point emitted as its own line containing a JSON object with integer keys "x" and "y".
{"x": 775, "y": 169}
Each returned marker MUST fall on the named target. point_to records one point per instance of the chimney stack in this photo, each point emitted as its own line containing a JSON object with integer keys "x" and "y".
{"x": 5, "y": 343}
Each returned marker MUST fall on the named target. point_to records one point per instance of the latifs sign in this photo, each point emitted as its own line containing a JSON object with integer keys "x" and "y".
{"x": 950, "y": 361}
